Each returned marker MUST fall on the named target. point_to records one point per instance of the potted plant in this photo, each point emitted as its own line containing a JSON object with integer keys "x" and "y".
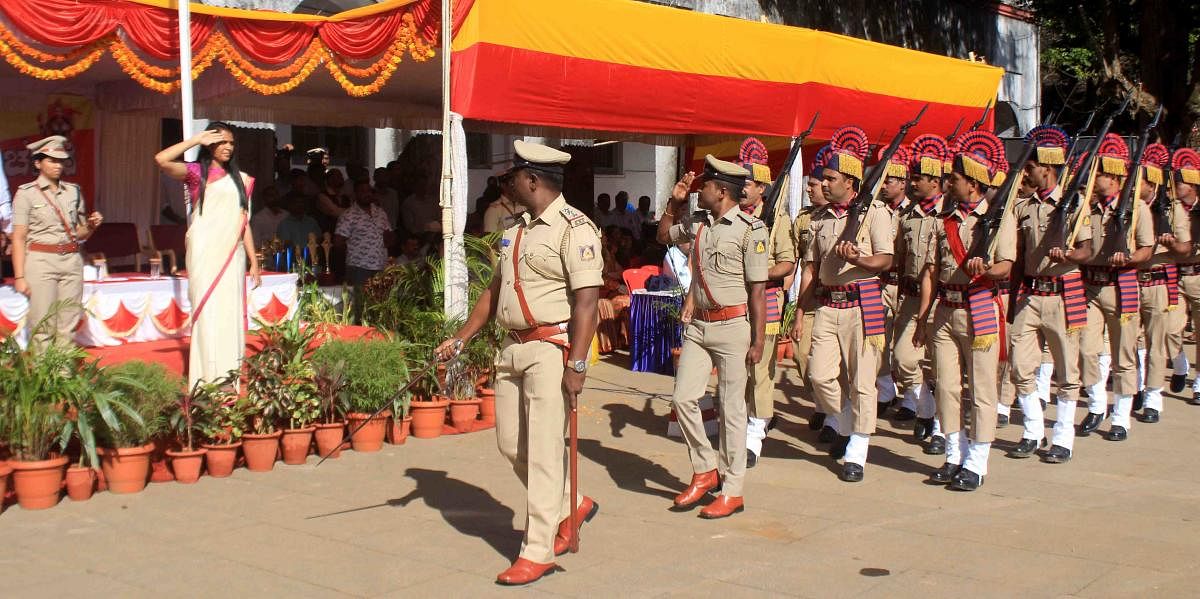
{"x": 400, "y": 424}
{"x": 301, "y": 406}
{"x": 154, "y": 391}
{"x": 460, "y": 388}
{"x": 126, "y": 450}
{"x": 187, "y": 462}
{"x": 479, "y": 357}
{"x": 330, "y": 381}
{"x": 783, "y": 349}
{"x": 93, "y": 406}
{"x": 279, "y": 385}
{"x": 375, "y": 370}
{"x": 221, "y": 415}
{"x": 32, "y": 417}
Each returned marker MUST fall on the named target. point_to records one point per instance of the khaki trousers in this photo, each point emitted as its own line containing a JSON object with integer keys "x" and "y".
{"x": 55, "y": 292}
{"x": 1162, "y": 328}
{"x": 1104, "y": 311}
{"x": 1189, "y": 290}
{"x": 1044, "y": 315}
{"x": 531, "y": 423}
{"x": 760, "y": 389}
{"x": 723, "y": 344}
{"x": 910, "y": 364}
{"x": 891, "y": 300}
{"x": 801, "y": 348}
{"x": 838, "y": 343}
{"x": 950, "y": 343}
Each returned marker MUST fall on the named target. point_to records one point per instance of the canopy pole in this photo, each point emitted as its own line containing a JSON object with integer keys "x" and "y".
{"x": 185, "y": 90}
{"x": 454, "y": 298}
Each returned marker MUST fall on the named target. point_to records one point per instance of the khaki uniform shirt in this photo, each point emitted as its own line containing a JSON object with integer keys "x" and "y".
{"x": 940, "y": 254}
{"x": 782, "y": 247}
{"x": 1181, "y": 228}
{"x": 501, "y": 214}
{"x": 874, "y": 238}
{"x": 31, "y": 208}
{"x": 1194, "y": 257}
{"x": 733, "y": 253}
{"x": 1105, "y": 245}
{"x": 559, "y": 253}
{"x": 1035, "y": 221}
{"x": 913, "y": 241}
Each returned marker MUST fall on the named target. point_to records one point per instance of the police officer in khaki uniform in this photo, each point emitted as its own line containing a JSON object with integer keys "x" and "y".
{"x": 1163, "y": 316}
{"x": 892, "y": 192}
{"x": 545, "y": 294}
{"x": 848, "y": 328}
{"x": 781, "y": 263}
{"x": 1185, "y": 166}
{"x": 1112, "y": 291}
{"x": 802, "y": 236}
{"x": 910, "y": 363}
{"x": 48, "y": 230}
{"x": 729, "y": 275}
{"x": 1051, "y": 303}
{"x": 964, "y": 335}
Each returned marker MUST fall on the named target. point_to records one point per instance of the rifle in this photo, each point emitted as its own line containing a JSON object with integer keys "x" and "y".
{"x": 990, "y": 222}
{"x": 1163, "y": 199}
{"x": 1080, "y": 188}
{"x": 983, "y": 117}
{"x": 1123, "y": 218}
{"x": 1072, "y": 152}
{"x": 768, "y": 212}
{"x": 957, "y": 128}
{"x": 871, "y": 182}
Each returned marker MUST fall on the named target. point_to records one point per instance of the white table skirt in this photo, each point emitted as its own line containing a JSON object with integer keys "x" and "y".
{"x": 133, "y": 309}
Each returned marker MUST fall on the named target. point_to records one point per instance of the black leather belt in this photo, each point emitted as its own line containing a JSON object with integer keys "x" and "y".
{"x": 1044, "y": 284}
{"x": 1189, "y": 270}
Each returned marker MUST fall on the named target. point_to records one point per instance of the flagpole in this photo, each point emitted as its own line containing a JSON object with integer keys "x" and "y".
{"x": 185, "y": 89}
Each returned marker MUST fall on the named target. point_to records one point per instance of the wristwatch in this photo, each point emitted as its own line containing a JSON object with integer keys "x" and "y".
{"x": 579, "y": 366}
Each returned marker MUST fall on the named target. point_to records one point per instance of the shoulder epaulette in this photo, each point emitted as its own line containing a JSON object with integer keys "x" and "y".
{"x": 28, "y": 185}
{"x": 575, "y": 217}
{"x": 754, "y": 222}
{"x": 700, "y": 215}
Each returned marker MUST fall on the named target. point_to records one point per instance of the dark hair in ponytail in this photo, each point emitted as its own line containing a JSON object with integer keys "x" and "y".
{"x": 231, "y": 167}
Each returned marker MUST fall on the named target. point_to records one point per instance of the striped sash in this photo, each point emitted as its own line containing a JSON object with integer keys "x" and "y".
{"x": 774, "y": 311}
{"x": 870, "y": 301}
{"x": 1172, "y": 286}
{"x": 986, "y": 326}
{"x": 1127, "y": 293}
{"x": 1074, "y": 301}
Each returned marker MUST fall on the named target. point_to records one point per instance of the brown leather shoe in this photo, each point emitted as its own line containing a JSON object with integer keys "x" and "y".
{"x": 702, "y": 483}
{"x": 585, "y": 512}
{"x": 724, "y": 506}
{"x": 524, "y": 571}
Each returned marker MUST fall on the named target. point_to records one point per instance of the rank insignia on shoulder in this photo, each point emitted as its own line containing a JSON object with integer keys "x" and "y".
{"x": 587, "y": 253}
{"x": 757, "y": 224}
{"x": 760, "y": 247}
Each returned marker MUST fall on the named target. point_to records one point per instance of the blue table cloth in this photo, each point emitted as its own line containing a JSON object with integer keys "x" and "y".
{"x": 654, "y": 330}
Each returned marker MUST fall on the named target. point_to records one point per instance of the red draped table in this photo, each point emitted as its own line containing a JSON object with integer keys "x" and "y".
{"x": 133, "y": 308}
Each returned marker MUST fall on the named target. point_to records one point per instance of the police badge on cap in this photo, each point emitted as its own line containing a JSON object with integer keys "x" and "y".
{"x": 54, "y": 146}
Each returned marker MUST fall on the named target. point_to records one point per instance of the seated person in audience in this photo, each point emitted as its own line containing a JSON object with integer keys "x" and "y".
{"x": 626, "y": 217}
{"x": 675, "y": 264}
{"x": 411, "y": 251}
{"x": 265, "y": 222}
{"x": 604, "y": 214}
{"x": 294, "y": 229}
{"x": 364, "y": 232}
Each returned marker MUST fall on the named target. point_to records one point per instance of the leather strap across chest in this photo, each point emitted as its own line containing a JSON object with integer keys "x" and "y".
{"x": 61, "y": 218}
{"x": 700, "y": 269}
{"x": 517, "y": 288}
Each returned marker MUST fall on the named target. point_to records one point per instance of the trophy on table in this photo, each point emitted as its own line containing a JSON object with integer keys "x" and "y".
{"x": 326, "y": 275}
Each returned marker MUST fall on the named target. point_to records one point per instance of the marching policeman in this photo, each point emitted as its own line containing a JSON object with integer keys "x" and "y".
{"x": 1185, "y": 166}
{"x": 965, "y": 334}
{"x": 892, "y": 192}
{"x": 781, "y": 262}
{"x": 1112, "y": 291}
{"x": 1051, "y": 302}
{"x": 802, "y": 236}
{"x": 729, "y": 275}
{"x": 545, "y": 294}
{"x": 848, "y": 327}
{"x": 48, "y": 230}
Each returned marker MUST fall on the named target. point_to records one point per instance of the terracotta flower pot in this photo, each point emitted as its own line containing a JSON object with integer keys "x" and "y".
{"x": 464, "y": 413}
{"x": 369, "y": 437}
{"x": 187, "y": 464}
{"x": 81, "y": 483}
{"x": 428, "y": 417}
{"x": 160, "y": 472}
{"x": 487, "y": 406}
{"x": 397, "y": 432}
{"x": 126, "y": 468}
{"x": 37, "y": 484}
{"x": 295, "y": 444}
{"x": 782, "y": 349}
{"x": 328, "y": 437}
{"x": 5, "y": 470}
{"x": 260, "y": 451}
{"x": 221, "y": 458}
{"x": 675, "y": 358}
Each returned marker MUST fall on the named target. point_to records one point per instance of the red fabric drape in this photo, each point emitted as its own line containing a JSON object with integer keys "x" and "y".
{"x": 64, "y": 22}
{"x": 271, "y": 42}
{"x": 156, "y": 31}
{"x": 362, "y": 38}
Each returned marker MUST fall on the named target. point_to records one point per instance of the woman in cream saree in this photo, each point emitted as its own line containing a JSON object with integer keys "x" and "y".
{"x": 219, "y": 243}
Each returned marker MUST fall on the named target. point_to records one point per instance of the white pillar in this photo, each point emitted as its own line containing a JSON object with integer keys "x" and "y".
{"x": 665, "y": 160}
{"x": 384, "y": 147}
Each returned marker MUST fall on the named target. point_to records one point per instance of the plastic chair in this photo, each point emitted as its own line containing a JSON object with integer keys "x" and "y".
{"x": 635, "y": 278}
{"x": 117, "y": 241}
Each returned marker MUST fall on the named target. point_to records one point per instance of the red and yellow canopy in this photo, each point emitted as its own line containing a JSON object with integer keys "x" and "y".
{"x": 626, "y": 66}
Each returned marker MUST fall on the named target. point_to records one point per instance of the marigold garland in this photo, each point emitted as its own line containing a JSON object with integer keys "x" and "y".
{"x": 165, "y": 80}
{"x": 24, "y": 67}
